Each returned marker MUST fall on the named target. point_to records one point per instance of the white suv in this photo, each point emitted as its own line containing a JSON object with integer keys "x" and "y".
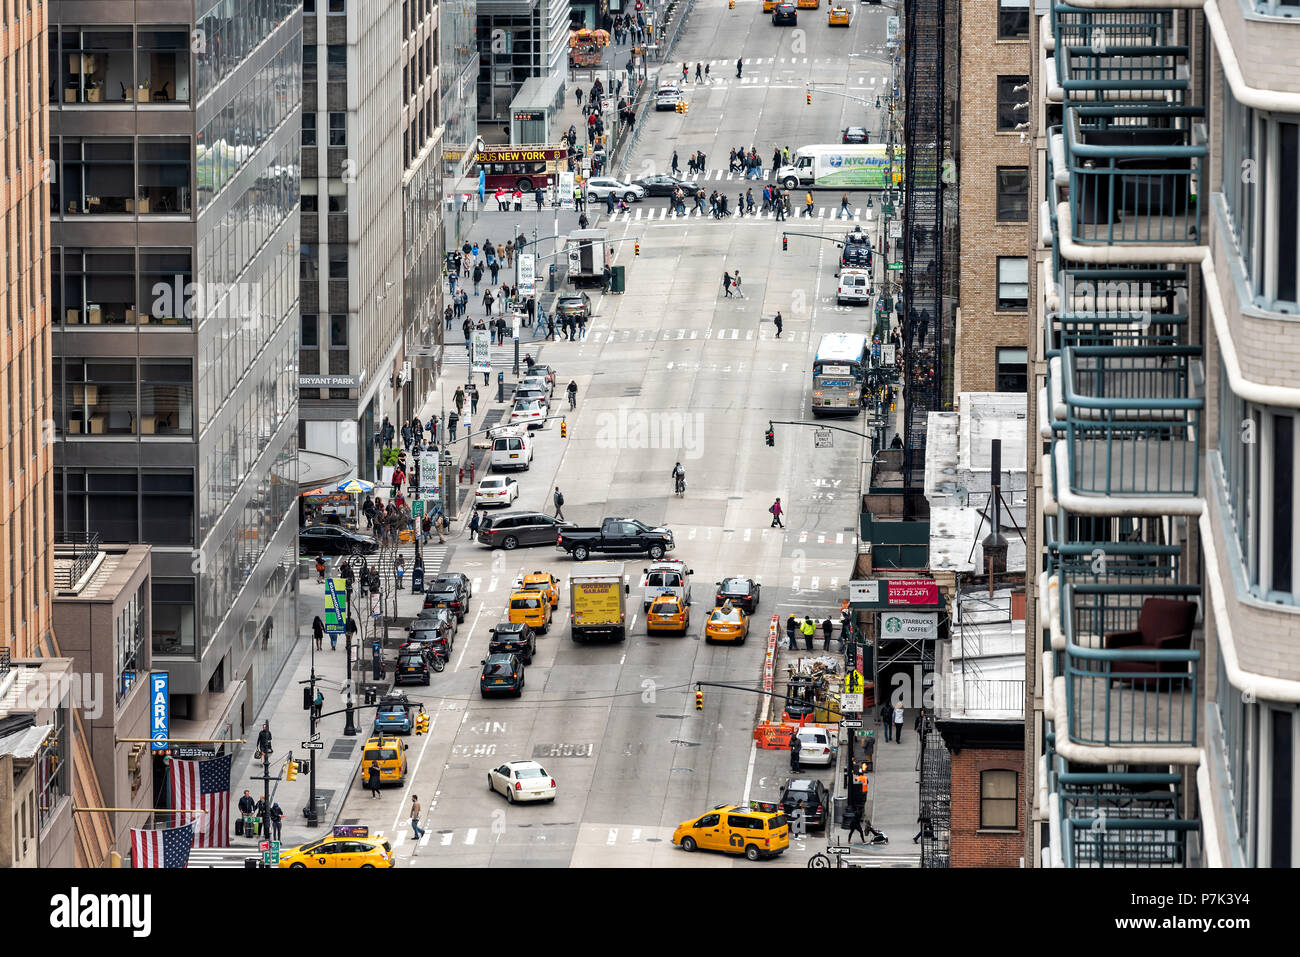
{"x": 666, "y": 97}
{"x": 598, "y": 187}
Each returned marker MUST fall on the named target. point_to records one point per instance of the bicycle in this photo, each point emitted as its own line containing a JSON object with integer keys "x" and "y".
{"x": 573, "y": 400}
{"x": 680, "y": 485}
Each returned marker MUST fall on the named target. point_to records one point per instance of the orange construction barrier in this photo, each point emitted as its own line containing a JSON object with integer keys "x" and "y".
{"x": 773, "y": 737}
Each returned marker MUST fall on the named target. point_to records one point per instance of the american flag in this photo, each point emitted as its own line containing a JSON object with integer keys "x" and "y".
{"x": 203, "y": 785}
{"x": 168, "y": 847}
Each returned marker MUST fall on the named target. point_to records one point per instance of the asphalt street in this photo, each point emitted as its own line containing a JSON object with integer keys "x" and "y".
{"x": 670, "y": 371}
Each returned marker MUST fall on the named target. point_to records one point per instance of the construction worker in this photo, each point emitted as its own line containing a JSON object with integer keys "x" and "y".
{"x": 809, "y": 629}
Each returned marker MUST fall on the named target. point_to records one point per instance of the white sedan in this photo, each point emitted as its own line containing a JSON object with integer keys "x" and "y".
{"x": 598, "y": 187}
{"x": 816, "y": 746}
{"x": 496, "y": 490}
{"x": 522, "y": 781}
{"x": 529, "y": 412}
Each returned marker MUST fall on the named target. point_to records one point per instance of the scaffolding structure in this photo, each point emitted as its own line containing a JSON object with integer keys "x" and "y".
{"x": 936, "y": 802}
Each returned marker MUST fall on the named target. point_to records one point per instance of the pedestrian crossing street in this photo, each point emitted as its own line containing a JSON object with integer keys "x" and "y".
{"x": 729, "y": 66}
{"x": 642, "y": 213}
{"x": 503, "y": 357}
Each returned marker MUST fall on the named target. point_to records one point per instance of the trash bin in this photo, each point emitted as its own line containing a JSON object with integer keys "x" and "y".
{"x": 617, "y": 279}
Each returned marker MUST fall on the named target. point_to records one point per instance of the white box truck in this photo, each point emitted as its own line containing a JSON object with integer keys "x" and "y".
{"x": 840, "y": 166}
{"x": 598, "y": 601}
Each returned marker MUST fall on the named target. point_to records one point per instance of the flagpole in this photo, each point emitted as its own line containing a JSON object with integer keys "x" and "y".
{"x": 139, "y": 810}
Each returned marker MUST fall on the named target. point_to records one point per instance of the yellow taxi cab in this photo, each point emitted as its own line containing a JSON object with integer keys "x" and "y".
{"x": 770, "y": 5}
{"x": 390, "y": 754}
{"x": 838, "y": 17}
{"x": 808, "y": 4}
{"x": 332, "y": 851}
{"x": 530, "y": 608}
{"x": 668, "y": 613}
{"x": 544, "y": 582}
{"x": 727, "y": 623}
{"x": 735, "y": 830}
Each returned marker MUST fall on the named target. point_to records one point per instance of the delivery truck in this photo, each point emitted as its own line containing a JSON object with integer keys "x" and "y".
{"x": 588, "y": 253}
{"x": 598, "y": 601}
{"x": 840, "y": 166}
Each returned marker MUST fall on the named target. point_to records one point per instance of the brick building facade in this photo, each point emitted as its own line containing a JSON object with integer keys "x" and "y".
{"x": 984, "y": 801}
{"x": 993, "y": 172}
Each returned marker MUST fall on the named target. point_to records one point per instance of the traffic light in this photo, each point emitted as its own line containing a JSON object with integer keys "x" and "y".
{"x": 809, "y": 95}
{"x": 682, "y": 107}
{"x": 785, "y": 243}
{"x": 636, "y": 249}
{"x": 731, "y": 4}
{"x": 770, "y": 435}
{"x": 564, "y": 429}
{"x": 421, "y": 723}
{"x": 306, "y": 699}
{"x": 291, "y": 772}
{"x": 699, "y": 700}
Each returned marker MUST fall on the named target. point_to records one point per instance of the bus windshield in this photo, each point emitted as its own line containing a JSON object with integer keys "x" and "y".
{"x": 522, "y": 167}
{"x": 839, "y": 374}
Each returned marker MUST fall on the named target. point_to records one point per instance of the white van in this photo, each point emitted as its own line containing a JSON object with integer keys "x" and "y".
{"x": 511, "y": 449}
{"x": 666, "y": 97}
{"x": 854, "y": 288}
{"x": 666, "y": 578}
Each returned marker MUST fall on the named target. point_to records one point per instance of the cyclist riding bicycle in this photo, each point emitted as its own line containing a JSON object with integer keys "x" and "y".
{"x": 679, "y": 478}
{"x": 573, "y": 394}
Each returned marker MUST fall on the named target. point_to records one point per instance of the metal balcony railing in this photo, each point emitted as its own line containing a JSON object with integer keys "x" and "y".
{"x": 1100, "y": 72}
{"x": 1131, "y": 673}
{"x": 1078, "y": 25}
{"x": 1106, "y": 561}
{"x": 74, "y": 552}
{"x": 1118, "y": 818}
{"x": 1134, "y": 173}
{"x": 1132, "y": 420}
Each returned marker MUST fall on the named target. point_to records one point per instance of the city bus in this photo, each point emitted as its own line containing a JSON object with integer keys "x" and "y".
{"x": 525, "y": 167}
{"x": 840, "y": 373}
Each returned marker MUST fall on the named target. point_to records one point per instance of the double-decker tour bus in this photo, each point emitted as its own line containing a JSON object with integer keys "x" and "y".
{"x": 840, "y": 374}
{"x": 525, "y": 167}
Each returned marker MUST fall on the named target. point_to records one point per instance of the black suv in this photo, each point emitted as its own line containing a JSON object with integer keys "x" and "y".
{"x": 432, "y": 617}
{"x": 743, "y": 592}
{"x": 516, "y": 637}
{"x": 332, "y": 540}
{"x": 456, "y": 577}
{"x": 412, "y": 668}
{"x": 785, "y": 13}
{"x": 816, "y": 800}
{"x": 501, "y": 673}
{"x": 449, "y": 593}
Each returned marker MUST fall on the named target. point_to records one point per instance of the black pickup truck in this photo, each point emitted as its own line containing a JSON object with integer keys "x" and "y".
{"x": 615, "y": 536}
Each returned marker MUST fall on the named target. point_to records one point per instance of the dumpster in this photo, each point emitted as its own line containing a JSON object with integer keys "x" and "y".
{"x": 618, "y": 279}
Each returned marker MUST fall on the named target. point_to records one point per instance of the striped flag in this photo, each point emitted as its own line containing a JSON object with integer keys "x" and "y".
{"x": 203, "y": 785}
{"x": 165, "y": 847}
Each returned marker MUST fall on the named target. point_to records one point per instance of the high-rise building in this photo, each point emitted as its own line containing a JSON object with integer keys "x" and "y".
{"x": 519, "y": 40}
{"x": 458, "y": 84}
{"x": 993, "y": 170}
{"x": 371, "y": 204}
{"x": 174, "y": 173}
{"x": 1163, "y": 638}
{"x": 44, "y": 759}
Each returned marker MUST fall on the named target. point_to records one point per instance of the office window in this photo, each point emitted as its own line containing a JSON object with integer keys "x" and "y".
{"x": 1013, "y": 370}
{"x": 166, "y": 397}
{"x": 167, "y": 508}
{"x": 339, "y": 331}
{"x": 338, "y": 261}
{"x": 308, "y": 6}
{"x": 338, "y": 6}
{"x": 1013, "y": 283}
{"x": 165, "y": 275}
{"x": 310, "y": 203}
{"x": 1281, "y": 796}
{"x": 97, "y": 66}
{"x": 1013, "y": 19}
{"x": 1012, "y": 91}
{"x": 164, "y": 172}
{"x": 336, "y": 62}
{"x": 1013, "y": 194}
{"x": 162, "y": 66}
{"x": 112, "y": 506}
{"x": 309, "y": 331}
{"x": 309, "y": 64}
{"x": 338, "y": 129}
{"x": 52, "y": 767}
{"x": 998, "y": 800}
{"x": 172, "y": 618}
{"x": 128, "y": 643}
{"x": 100, "y": 397}
{"x": 308, "y": 268}
{"x": 338, "y": 203}
{"x": 308, "y": 128}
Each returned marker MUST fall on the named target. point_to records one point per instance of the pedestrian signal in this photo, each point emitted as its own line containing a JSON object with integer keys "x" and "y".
{"x": 699, "y": 700}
